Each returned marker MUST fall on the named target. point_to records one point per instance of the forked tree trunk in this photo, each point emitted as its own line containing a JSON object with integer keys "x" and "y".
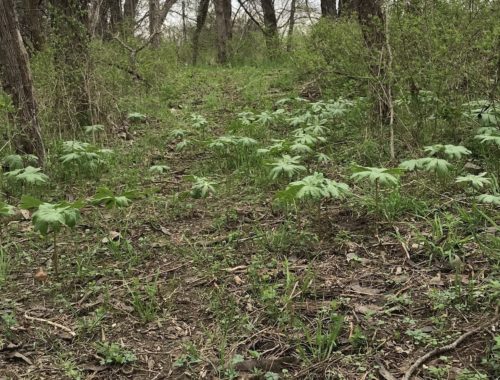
{"x": 157, "y": 16}
{"x": 17, "y": 82}
{"x": 201, "y": 17}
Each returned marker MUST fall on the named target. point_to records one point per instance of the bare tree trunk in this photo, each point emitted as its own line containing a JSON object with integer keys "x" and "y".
{"x": 201, "y": 17}
{"x": 71, "y": 55}
{"x": 291, "y": 25}
{"x": 270, "y": 27}
{"x": 129, "y": 14}
{"x": 328, "y": 8}
{"x": 222, "y": 32}
{"x": 17, "y": 82}
{"x": 157, "y": 16}
{"x": 184, "y": 26}
{"x": 116, "y": 15}
{"x": 31, "y": 25}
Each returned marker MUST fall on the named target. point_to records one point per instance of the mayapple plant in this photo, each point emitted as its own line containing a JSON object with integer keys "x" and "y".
{"x": 93, "y": 130}
{"x": 16, "y": 161}
{"x": 105, "y": 196}
{"x": 50, "y": 218}
{"x": 158, "y": 169}
{"x": 136, "y": 117}
{"x": 202, "y": 187}
{"x": 314, "y": 188}
{"x": 377, "y": 177}
{"x": 286, "y": 165}
{"x": 27, "y": 176}
{"x": 199, "y": 122}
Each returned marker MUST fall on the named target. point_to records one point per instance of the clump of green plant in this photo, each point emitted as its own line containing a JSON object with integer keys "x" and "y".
{"x": 313, "y": 189}
{"x": 321, "y": 339}
{"x": 145, "y": 298}
{"x": 136, "y": 117}
{"x": 28, "y": 176}
{"x": 202, "y": 187}
{"x": 83, "y": 157}
{"x": 106, "y": 197}
{"x": 286, "y": 165}
{"x": 113, "y": 353}
{"x": 50, "y": 218}
{"x": 91, "y": 324}
{"x": 16, "y": 161}
{"x": 200, "y": 123}
{"x": 158, "y": 169}
{"x": 377, "y": 177}
{"x": 94, "y": 130}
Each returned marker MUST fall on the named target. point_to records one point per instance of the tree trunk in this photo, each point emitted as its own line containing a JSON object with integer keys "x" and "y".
{"x": 17, "y": 82}
{"x": 328, "y": 8}
{"x": 201, "y": 17}
{"x": 71, "y": 55}
{"x": 129, "y": 14}
{"x": 291, "y": 25}
{"x": 270, "y": 27}
{"x": 31, "y": 24}
{"x": 222, "y": 32}
{"x": 157, "y": 16}
{"x": 116, "y": 15}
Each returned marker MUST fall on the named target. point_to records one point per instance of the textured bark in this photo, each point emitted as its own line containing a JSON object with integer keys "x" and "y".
{"x": 17, "y": 82}
{"x": 71, "y": 55}
{"x": 157, "y": 16}
{"x": 31, "y": 24}
{"x": 291, "y": 25}
{"x": 201, "y": 17}
{"x": 328, "y": 8}
{"x": 270, "y": 26}
{"x": 115, "y": 8}
{"x": 222, "y": 31}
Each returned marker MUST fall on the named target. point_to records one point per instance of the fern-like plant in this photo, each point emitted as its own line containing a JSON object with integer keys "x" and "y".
{"x": 202, "y": 187}
{"x": 476, "y": 182}
{"x": 286, "y": 165}
{"x": 450, "y": 151}
{"x": 314, "y": 188}
{"x": 50, "y": 219}
{"x": 377, "y": 177}
{"x": 28, "y": 175}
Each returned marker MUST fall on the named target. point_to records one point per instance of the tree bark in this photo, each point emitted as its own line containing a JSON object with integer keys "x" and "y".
{"x": 71, "y": 55}
{"x": 115, "y": 8}
{"x": 201, "y": 17}
{"x": 291, "y": 25}
{"x": 31, "y": 24}
{"x": 222, "y": 31}
{"x": 18, "y": 83}
{"x": 328, "y": 8}
{"x": 157, "y": 16}
{"x": 270, "y": 27}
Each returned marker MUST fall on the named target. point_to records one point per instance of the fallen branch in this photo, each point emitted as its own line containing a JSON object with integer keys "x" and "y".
{"x": 441, "y": 350}
{"x": 55, "y": 324}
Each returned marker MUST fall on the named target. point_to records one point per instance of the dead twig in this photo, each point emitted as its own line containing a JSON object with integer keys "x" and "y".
{"x": 55, "y": 324}
{"x": 440, "y": 350}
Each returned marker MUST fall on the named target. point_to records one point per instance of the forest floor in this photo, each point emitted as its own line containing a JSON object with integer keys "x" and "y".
{"x": 232, "y": 286}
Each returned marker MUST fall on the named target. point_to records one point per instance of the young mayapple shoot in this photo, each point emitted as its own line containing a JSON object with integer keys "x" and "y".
{"x": 158, "y": 169}
{"x": 202, "y": 187}
{"x": 50, "y": 218}
{"x": 286, "y": 165}
{"x": 105, "y": 196}
{"x": 377, "y": 177}
{"x": 314, "y": 188}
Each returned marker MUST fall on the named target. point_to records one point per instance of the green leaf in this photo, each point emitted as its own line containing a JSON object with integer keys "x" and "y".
{"x": 28, "y": 202}
{"x": 52, "y": 217}
{"x": 6, "y": 210}
{"x": 488, "y": 139}
{"x": 202, "y": 187}
{"x": 475, "y": 181}
{"x": 489, "y": 199}
{"x": 383, "y": 176}
{"x": 286, "y": 165}
{"x": 436, "y": 165}
{"x": 13, "y": 162}
{"x": 29, "y": 175}
{"x": 136, "y": 116}
{"x": 158, "y": 169}
{"x": 451, "y": 151}
{"x": 106, "y": 197}
{"x": 315, "y": 187}
{"x": 94, "y": 128}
